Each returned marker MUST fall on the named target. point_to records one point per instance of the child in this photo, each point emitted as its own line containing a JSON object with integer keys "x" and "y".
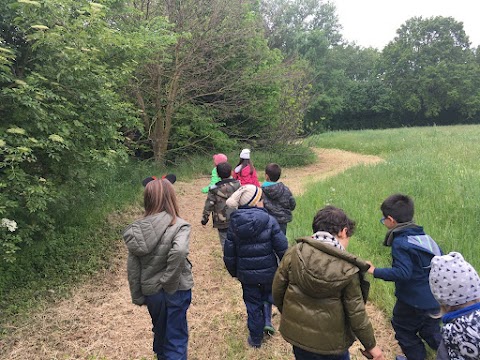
{"x": 216, "y": 200}
{"x": 159, "y": 272}
{"x": 320, "y": 290}
{"x": 244, "y": 171}
{"x": 412, "y": 251}
{"x": 456, "y": 286}
{"x": 277, "y": 198}
{"x": 217, "y": 159}
{"x": 170, "y": 177}
{"x": 254, "y": 242}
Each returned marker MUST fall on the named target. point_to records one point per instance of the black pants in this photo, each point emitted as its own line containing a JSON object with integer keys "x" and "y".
{"x": 411, "y": 325}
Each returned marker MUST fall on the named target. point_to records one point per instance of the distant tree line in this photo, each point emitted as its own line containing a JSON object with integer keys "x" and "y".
{"x": 86, "y": 83}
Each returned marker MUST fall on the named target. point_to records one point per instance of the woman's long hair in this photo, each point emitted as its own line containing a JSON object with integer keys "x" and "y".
{"x": 159, "y": 196}
{"x": 245, "y": 163}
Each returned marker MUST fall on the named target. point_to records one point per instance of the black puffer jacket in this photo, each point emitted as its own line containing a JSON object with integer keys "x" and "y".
{"x": 254, "y": 241}
{"x": 279, "y": 202}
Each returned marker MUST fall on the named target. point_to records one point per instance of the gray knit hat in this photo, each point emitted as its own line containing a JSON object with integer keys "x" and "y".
{"x": 453, "y": 281}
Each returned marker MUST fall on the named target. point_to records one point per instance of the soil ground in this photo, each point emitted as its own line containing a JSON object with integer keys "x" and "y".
{"x": 99, "y": 321}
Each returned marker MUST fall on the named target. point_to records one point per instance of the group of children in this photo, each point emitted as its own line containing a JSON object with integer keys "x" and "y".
{"x": 320, "y": 288}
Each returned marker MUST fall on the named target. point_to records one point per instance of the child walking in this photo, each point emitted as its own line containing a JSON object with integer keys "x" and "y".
{"x": 216, "y": 202}
{"x": 456, "y": 286}
{"x": 245, "y": 171}
{"x": 159, "y": 273}
{"x": 320, "y": 290}
{"x": 277, "y": 198}
{"x": 217, "y": 159}
{"x": 412, "y": 252}
{"x": 253, "y": 246}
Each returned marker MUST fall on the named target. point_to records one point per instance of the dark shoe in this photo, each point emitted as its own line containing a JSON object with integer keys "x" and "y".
{"x": 269, "y": 330}
{"x": 267, "y": 315}
{"x": 254, "y": 344}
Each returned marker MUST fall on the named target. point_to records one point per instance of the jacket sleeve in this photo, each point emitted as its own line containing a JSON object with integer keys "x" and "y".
{"x": 176, "y": 259}
{"x": 442, "y": 353}
{"x": 293, "y": 203}
{"x": 279, "y": 240}
{"x": 134, "y": 279}
{"x": 356, "y": 314}
{"x": 281, "y": 281}
{"x": 402, "y": 265}
{"x": 213, "y": 180}
{"x": 230, "y": 252}
{"x": 209, "y": 206}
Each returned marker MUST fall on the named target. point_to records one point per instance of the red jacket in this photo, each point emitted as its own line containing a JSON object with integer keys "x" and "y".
{"x": 245, "y": 177}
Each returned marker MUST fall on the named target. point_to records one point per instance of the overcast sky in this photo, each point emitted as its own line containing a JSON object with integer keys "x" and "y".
{"x": 374, "y": 22}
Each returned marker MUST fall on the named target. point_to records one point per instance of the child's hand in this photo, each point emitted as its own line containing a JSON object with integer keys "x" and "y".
{"x": 371, "y": 269}
{"x": 376, "y": 353}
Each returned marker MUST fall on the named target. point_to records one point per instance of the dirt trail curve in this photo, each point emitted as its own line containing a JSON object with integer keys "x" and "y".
{"x": 99, "y": 322}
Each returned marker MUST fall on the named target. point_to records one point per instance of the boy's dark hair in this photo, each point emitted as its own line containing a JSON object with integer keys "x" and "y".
{"x": 224, "y": 170}
{"x": 273, "y": 171}
{"x": 333, "y": 220}
{"x": 399, "y": 207}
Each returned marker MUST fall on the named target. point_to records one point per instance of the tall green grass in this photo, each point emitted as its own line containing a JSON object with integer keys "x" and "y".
{"x": 437, "y": 166}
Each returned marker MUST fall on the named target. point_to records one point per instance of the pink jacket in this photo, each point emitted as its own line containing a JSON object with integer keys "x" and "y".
{"x": 245, "y": 177}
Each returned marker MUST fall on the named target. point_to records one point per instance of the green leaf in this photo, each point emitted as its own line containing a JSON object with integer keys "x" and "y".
{"x": 56, "y": 138}
{"x": 39, "y": 27}
{"x": 29, "y": 2}
{"x": 16, "y": 130}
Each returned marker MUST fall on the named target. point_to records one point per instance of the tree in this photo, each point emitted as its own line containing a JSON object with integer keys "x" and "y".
{"x": 431, "y": 68}
{"x": 216, "y": 72}
{"x": 62, "y": 68}
{"x": 288, "y": 21}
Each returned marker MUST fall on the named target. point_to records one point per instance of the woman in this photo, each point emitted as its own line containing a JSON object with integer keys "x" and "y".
{"x": 320, "y": 291}
{"x": 159, "y": 273}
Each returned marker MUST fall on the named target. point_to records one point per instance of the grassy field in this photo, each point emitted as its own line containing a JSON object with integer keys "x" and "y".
{"x": 437, "y": 166}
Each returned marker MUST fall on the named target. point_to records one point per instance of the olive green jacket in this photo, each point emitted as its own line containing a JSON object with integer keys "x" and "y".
{"x": 317, "y": 288}
{"x": 157, "y": 256}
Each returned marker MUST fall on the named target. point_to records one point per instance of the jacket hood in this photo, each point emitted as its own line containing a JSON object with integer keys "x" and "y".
{"x": 274, "y": 191}
{"x": 317, "y": 270}
{"x": 250, "y": 221}
{"x": 219, "y": 188}
{"x": 143, "y": 235}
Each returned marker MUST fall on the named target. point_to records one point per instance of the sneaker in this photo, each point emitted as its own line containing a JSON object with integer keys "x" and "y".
{"x": 269, "y": 330}
{"x": 253, "y": 344}
{"x": 400, "y": 357}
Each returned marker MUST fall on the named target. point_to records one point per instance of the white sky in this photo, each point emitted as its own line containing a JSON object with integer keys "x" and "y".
{"x": 375, "y": 22}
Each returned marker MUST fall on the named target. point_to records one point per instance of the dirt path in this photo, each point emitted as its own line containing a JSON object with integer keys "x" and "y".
{"x": 99, "y": 321}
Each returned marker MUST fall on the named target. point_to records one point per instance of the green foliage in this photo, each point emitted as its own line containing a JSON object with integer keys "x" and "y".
{"x": 437, "y": 166}
{"x": 63, "y": 67}
{"x": 86, "y": 241}
{"x": 431, "y": 68}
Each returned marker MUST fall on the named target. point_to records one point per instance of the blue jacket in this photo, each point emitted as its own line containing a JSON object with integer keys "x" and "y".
{"x": 412, "y": 251}
{"x": 254, "y": 245}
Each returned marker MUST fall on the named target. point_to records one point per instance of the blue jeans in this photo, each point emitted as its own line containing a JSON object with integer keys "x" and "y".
{"x": 169, "y": 319}
{"x": 254, "y": 296}
{"x": 301, "y": 354}
{"x": 407, "y": 322}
